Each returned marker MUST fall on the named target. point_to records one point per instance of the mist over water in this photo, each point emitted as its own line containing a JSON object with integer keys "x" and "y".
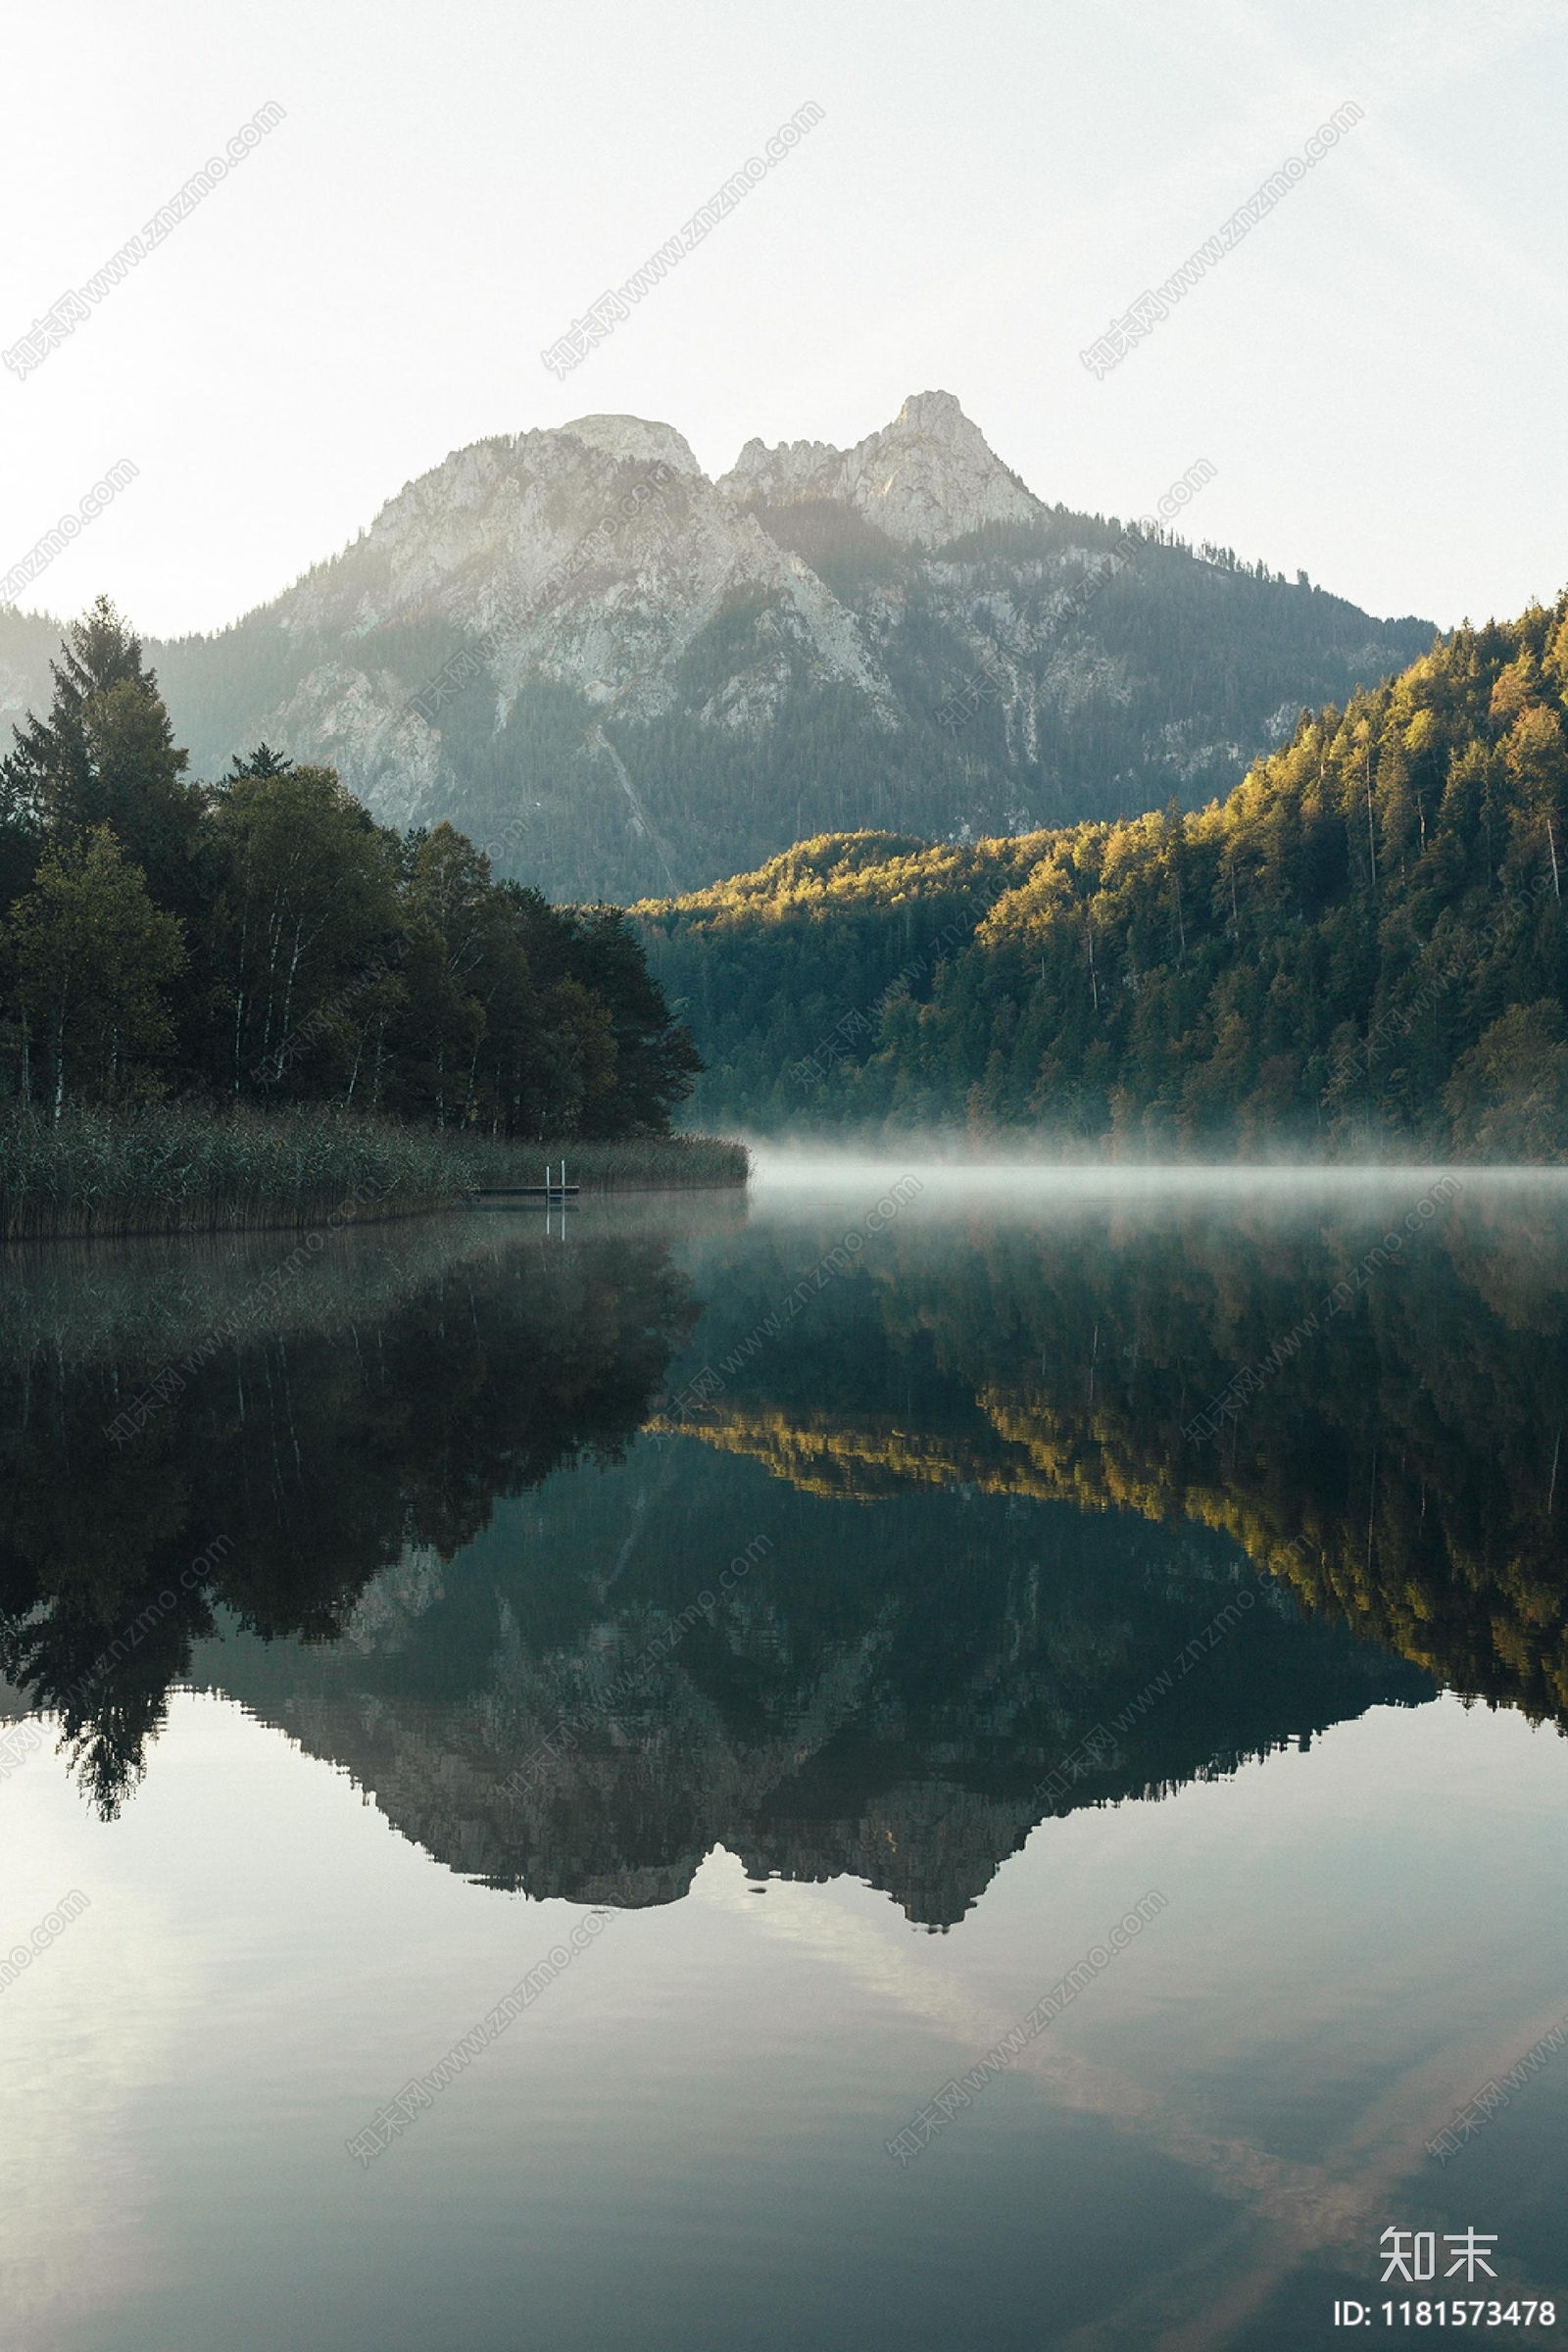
{"x": 950, "y": 1170}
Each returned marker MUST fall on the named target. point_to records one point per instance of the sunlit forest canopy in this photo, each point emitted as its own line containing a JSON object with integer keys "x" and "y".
{"x": 1361, "y": 947}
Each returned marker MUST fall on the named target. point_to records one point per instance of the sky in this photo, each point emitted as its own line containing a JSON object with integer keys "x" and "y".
{"x": 1376, "y": 371}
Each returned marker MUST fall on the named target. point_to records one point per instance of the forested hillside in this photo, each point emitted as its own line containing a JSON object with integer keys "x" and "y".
{"x": 1362, "y": 945}
{"x": 261, "y": 939}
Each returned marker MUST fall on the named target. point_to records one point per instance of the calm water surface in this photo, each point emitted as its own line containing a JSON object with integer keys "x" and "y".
{"x": 1006, "y": 1747}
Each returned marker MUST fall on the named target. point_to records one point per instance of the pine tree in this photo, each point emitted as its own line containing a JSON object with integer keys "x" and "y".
{"x": 263, "y": 762}
{"x": 106, "y": 756}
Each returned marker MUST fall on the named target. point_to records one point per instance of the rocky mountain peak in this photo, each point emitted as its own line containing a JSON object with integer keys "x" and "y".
{"x": 634, "y": 437}
{"x": 928, "y": 477}
{"x": 935, "y": 412}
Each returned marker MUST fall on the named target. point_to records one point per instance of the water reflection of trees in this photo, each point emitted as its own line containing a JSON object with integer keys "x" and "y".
{"x": 890, "y": 1689}
{"x": 381, "y": 1398}
{"x": 1401, "y": 1469}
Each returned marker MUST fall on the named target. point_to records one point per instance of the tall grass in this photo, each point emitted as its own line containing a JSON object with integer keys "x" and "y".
{"x": 180, "y": 1169}
{"x": 645, "y": 1164}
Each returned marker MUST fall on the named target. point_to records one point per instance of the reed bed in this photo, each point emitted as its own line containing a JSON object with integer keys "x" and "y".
{"x": 643, "y": 1163}
{"x": 180, "y": 1170}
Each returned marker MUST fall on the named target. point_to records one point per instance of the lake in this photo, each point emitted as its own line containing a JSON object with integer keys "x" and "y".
{"x": 928, "y": 1758}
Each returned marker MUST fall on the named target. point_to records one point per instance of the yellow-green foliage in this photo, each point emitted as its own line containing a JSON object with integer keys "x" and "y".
{"x": 837, "y": 874}
{"x": 1362, "y": 944}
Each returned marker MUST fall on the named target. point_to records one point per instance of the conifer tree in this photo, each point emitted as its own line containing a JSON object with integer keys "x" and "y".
{"x": 106, "y": 754}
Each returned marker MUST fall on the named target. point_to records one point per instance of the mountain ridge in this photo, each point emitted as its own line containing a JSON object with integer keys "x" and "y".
{"x": 927, "y": 479}
{"x": 772, "y": 653}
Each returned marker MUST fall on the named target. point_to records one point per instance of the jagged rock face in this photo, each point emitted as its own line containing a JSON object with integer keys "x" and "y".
{"x": 481, "y": 540}
{"x": 350, "y": 719}
{"x": 627, "y": 678}
{"x": 482, "y": 544}
{"x": 484, "y": 539}
{"x": 928, "y": 478}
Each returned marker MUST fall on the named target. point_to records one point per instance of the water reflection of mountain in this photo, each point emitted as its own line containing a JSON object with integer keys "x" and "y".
{"x": 883, "y": 1693}
{"x": 976, "y": 1533}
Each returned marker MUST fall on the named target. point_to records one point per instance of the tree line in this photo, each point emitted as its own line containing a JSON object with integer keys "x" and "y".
{"x": 1361, "y": 946}
{"x": 264, "y": 940}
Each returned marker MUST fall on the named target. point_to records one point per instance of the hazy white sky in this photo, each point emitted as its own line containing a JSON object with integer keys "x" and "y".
{"x": 1377, "y": 371}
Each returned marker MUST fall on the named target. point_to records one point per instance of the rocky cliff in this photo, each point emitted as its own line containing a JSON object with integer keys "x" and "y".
{"x": 626, "y": 678}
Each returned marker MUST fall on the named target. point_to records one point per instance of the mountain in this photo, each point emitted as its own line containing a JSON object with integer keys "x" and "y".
{"x": 928, "y": 479}
{"x": 1362, "y": 947}
{"x": 624, "y": 677}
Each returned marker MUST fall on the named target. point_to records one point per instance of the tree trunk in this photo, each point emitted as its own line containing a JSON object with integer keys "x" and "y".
{"x": 59, "y": 1054}
{"x": 239, "y": 994}
{"x": 288, "y": 993}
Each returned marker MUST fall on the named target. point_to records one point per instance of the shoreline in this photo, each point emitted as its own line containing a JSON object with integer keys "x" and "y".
{"x": 175, "y": 1170}
{"x": 467, "y": 1204}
